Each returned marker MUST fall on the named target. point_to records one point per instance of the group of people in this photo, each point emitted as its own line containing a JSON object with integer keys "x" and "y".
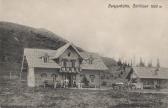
{"x": 64, "y": 83}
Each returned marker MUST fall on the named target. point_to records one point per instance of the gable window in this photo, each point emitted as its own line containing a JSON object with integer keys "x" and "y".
{"x": 65, "y": 62}
{"x": 91, "y": 60}
{"x": 69, "y": 54}
{"x": 73, "y": 63}
{"x": 45, "y": 58}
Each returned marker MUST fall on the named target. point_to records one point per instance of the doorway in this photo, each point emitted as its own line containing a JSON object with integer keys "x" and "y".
{"x": 71, "y": 79}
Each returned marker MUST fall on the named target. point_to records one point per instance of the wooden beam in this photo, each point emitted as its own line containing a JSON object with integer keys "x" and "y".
{"x": 21, "y": 68}
{"x": 99, "y": 79}
{"x": 10, "y": 74}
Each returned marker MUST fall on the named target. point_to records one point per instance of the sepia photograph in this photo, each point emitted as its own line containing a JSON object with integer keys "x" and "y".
{"x": 83, "y": 54}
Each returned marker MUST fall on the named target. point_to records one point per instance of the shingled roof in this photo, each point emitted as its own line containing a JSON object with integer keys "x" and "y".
{"x": 33, "y": 57}
{"x": 97, "y": 63}
{"x": 61, "y": 50}
{"x": 151, "y": 73}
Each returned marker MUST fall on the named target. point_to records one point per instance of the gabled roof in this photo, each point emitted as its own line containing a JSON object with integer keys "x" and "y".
{"x": 34, "y": 59}
{"x": 61, "y": 50}
{"x": 97, "y": 63}
{"x": 151, "y": 73}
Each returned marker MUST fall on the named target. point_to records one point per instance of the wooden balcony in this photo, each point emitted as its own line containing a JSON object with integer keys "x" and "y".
{"x": 70, "y": 69}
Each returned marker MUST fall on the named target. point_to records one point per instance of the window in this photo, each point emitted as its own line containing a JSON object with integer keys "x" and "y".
{"x": 81, "y": 75}
{"x": 64, "y": 62}
{"x": 92, "y": 77}
{"x": 91, "y": 60}
{"x": 46, "y": 58}
{"x": 54, "y": 76}
{"x": 73, "y": 63}
{"x": 69, "y": 54}
{"x": 111, "y": 75}
{"x": 102, "y": 77}
{"x": 43, "y": 75}
{"x": 134, "y": 80}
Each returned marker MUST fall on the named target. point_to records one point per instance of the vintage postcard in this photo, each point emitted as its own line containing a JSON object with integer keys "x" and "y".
{"x": 83, "y": 54}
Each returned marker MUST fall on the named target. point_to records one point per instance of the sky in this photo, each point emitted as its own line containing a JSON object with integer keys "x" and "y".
{"x": 90, "y": 24}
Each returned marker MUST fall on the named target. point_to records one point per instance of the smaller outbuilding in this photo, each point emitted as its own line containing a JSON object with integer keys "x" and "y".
{"x": 149, "y": 77}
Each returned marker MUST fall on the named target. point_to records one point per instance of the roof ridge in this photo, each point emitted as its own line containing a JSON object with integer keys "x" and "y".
{"x": 62, "y": 49}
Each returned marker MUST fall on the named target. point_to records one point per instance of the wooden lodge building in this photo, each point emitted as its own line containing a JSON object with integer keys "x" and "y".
{"x": 65, "y": 63}
{"x": 148, "y": 77}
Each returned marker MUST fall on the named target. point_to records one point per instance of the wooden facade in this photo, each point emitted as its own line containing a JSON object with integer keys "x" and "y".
{"x": 63, "y": 64}
{"x": 150, "y": 77}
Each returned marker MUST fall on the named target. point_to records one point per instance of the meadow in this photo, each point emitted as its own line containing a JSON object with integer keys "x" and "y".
{"x": 15, "y": 94}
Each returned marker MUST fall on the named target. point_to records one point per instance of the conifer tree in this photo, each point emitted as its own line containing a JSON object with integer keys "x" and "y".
{"x": 150, "y": 64}
{"x": 158, "y": 63}
{"x": 119, "y": 63}
{"x": 141, "y": 63}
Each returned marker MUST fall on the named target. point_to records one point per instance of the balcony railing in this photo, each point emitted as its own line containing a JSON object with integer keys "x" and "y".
{"x": 70, "y": 69}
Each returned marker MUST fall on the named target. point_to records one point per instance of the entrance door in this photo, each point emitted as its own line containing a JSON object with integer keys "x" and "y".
{"x": 69, "y": 77}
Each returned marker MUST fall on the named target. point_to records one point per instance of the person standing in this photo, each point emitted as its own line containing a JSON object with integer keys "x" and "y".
{"x": 55, "y": 84}
{"x": 66, "y": 83}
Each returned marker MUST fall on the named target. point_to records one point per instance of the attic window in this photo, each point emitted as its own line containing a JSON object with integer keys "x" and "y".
{"x": 73, "y": 63}
{"x": 91, "y": 60}
{"x": 46, "y": 58}
{"x": 69, "y": 54}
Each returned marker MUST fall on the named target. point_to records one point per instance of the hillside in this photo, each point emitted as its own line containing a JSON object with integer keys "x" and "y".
{"x": 14, "y": 38}
{"x": 109, "y": 61}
